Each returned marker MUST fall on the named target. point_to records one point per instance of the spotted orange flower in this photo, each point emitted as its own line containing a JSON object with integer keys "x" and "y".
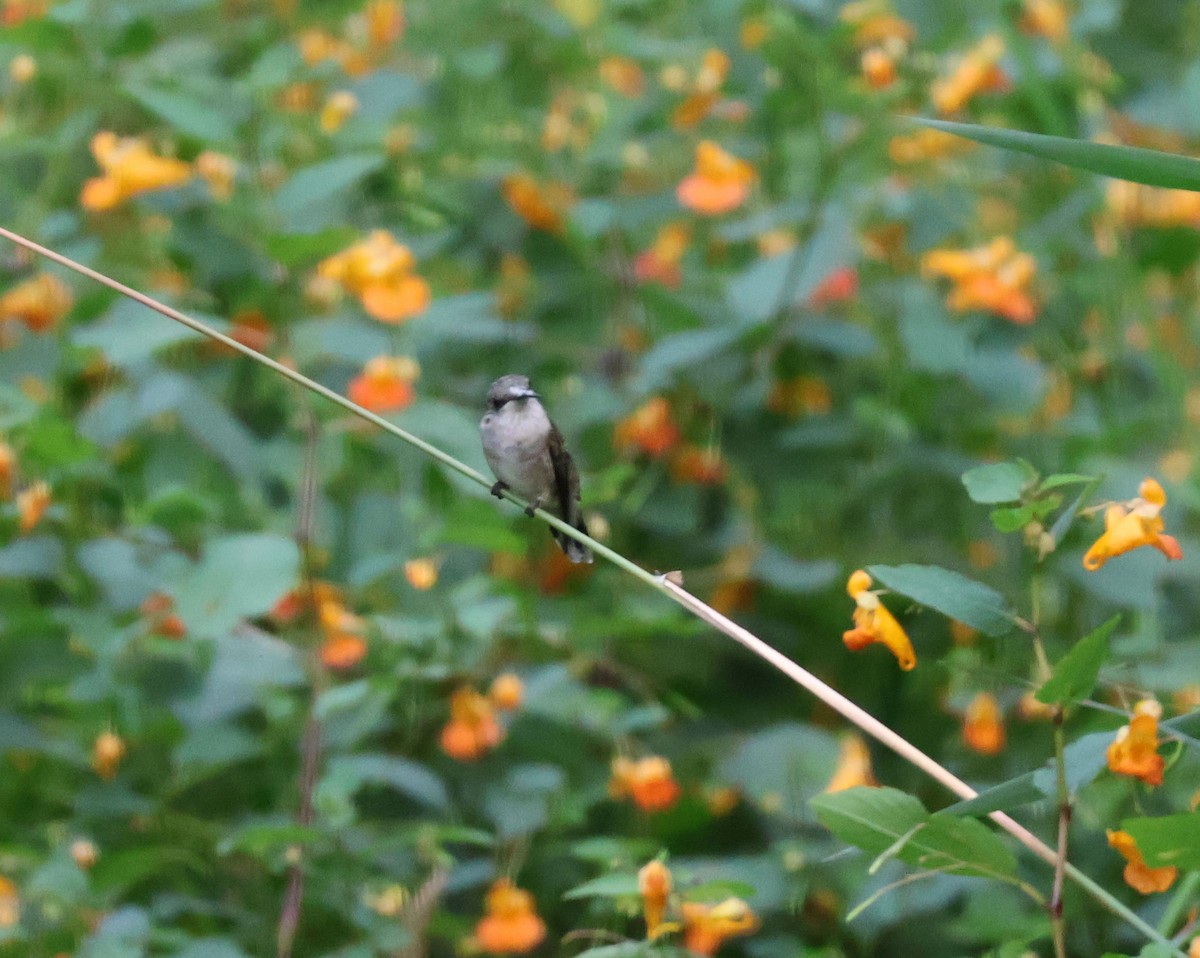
{"x": 1138, "y": 875}
{"x": 10, "y": 903}
{"x": 385, "y": 23}
{"x": 977, "y": 71}
{"x": 219, "y": 172}
{"x": 1135, "y": 523}
{"x": 878, "y": 68}
{"x": 343, "y": 644}
{"x": 654, "y": 885}
{"x": 107, "y": 752}
{"x": 874, "y": 623}
{"x": 707, "y": 927}
{"x": 648, "y": 782}
{"x": 158, "y": 613}
{"x": 421, "y": 573}
{"x": 385, "y": 384}
{"x": 1046, "y": 18}
{"x": 649, "y": 429}
{"x": 32, "y": 504}
{"x": 660, "y": 263}
{"x": 1134, "y": 751}
{"x": 130, "y": 168}
{"x": 380, "y": 272}
{"x": 507, "y": 691}
{"x": 543, "y": 207}
{"x": 983, "y": 725}
{"x": 706, "y": 90}
{"x": 701, "y": 465}
{"x": 39, "y": 302}
{"x": 623, "y": 75}
{"x": 994, "y": 278}
{"x": 854, "y": 765}
{"x": 720, "y": 183}
{"x": 472, "y": 731}
{"x": 510, "y": 924}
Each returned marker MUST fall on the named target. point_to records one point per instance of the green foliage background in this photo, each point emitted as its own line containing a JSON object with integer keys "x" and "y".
{"x": 178, "y": 469}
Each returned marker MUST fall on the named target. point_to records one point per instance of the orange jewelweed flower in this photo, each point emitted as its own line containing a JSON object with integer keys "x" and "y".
{"x": 343, "y": 645}
{"x": 8, "y": 470}
{"x": 878, "y": 68}
{"x": 472, "y": 730}
{"x": 1133, "y": 205}
{"x": 10, "y": 903}
{"x": 875, "y": 24}
{"x": 511, "y": 924}
{"x": 107, "y": 752}
{"x": 854, "y": 765}
{"x": 385, "y": 384}
{"x": 421, "y": 573}
{"x": 926, "y": 145}
{"x": 704, "y": 466}
{"x": 1135, "y": 523}
{"x": 994, "y": 278}
{"x": 1134, "y": 751}
{"x": 338, "y": 108}
{"x": 983, "y": 725}
{"x": 380, "y": 272}
{"x": 32, "y": 504}
{"x": 507, "y": 691}
{"x": 39, "y": 302}
{"x": 1046, "y": 18}
{"x": 839, "y": 286}
{"x": 874, "y": 623}
{"x": 623, "y": 75}
{"x": 649, "y": 429}
{"x": 654, "y": 885}
{"x": 1138, "y": 875}
{"x": 129, "y": 168}
{"x": 977, "y": 71}
{"x": 707, "y": 927}
{"x": 84, "y": 853}
{"x": 385, "y": 23}
{"x": 158, "y": 611}
{"x": 800, "y": 396}
{"x": 720, "y": 183}
{"x": 543, "y": 207}
{"x": 648, "y": 782}
{"x": 219, "y": 172}
{"x": 660, "y": 263}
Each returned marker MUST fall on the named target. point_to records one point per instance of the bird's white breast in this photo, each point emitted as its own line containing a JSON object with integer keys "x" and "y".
{"x": 514, "y": 444}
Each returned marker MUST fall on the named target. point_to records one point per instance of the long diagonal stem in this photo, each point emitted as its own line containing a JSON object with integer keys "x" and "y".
{"x": 830, "y": 696}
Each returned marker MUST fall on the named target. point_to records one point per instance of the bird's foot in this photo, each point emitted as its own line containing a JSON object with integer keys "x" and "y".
{"x": 532, "y": 508}
{"x": 498, "y": 488}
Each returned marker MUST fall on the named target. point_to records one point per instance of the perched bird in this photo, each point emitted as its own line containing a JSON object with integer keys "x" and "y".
{"x": 526, "y": 453}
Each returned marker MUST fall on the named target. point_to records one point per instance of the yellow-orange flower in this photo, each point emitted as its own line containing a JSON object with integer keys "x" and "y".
{"x": 1132, "y": 524}
{"x": 10, "y": 903}
{"x": 511, "y": 924}
{"x": 977, "y": 71}
{"x": 876, "y": 25}
{"x": 1139, "y": 875}
{"x": 84, "y": 854}
{"x": 385, "y": 23}
{"x": 660, "y": 263}
{"x": 1046, "y": 18}
{"x": 507, "y": 691}
{"x": 22, "y": 68}
{"x": 874, "y": 623}
{"x": 380, "y": 272}
{"x": 130, "y": 168}
{"x": 702, "y": 465}
{"x": 543, "y": 207}
{"x": 39, "y": 302}
{"x": 926, "y": 145}
{"x": 623, "y": 75}
{"x": 343, "y": 644}
{"x": 1134, "y": 751}
{"x": 720, "y": 183}
{"x": 107, "y": 752}
{"x": 385, "y": 384}
{"x": 32, "y": 504}
{"x": 338, "y": 108}
{"x": 878, "y": 68}
{"x": 219, "y": 172}
{"x": 854, "y": 765}
{"x": 1133, "y": 204}
{"x": 994, "y": 278}
{"x": 706, "y": 90}
{"x": 707, "y": 927}
{"x": 654, "y": 885}
{"x": 422, "y": 573}
{"x": 472, "y": 730}
{"x": 839, "y": 286}
{"x": 8, "y": 470}
{"x": 800, "y": 396}
{"x": 18, "y": 11}
{"x": 649, "y": 429}
{"x": 983, "y": 725}
{"x": 648, "y": 782}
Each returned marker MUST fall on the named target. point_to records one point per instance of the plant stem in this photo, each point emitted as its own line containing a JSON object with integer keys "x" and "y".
{"x": 864, "y": 720}
{"x": 1064, "y": 827}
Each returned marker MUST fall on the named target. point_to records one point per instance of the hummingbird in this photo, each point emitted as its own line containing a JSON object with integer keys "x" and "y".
{"x": 526, "y": 453}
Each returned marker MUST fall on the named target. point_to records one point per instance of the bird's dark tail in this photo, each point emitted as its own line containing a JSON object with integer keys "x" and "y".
{"x": 576, "y": 551}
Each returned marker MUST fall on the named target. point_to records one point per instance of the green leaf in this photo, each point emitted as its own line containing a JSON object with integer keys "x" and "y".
{"x": 886, "y": 820}
{"x": 615, "y": 885}
{"x": 1012, "y": 519}
{"x": 1003, "y": 797}
{"x": 997, "y": 482}
{"x": 346, "y": 774}
{"x": 1167, "y": 840}
{"x": 718, "y": 890}
{"x": 1131, "y": 163}
{"x": 186, "y": 111}
{"x": 314, "y": 185}
{"x": 1064, "y": 479}
{"x": 1075, "y": 676}
{"x": 971, "y": 602}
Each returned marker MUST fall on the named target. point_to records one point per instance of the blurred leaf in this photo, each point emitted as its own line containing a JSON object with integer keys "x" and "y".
{"x": 129, "y": 334}
{"x": 186, "y": 111}
{"x": 779, "y": 570}
{"x": 1167, "y": 840}
{"x": 885, "y": 820}
{"x": 788, "y": 762}
{"x": 614, "y": 885}
{"x": 718, "y": 890}
{"x": 954, "y": 595}
{"x": 1075, "y": 675}
{"x": 308, "y": 188}
{"x": 998, "y": 482}
{"x": 1083, "y": 760}
{"x": 348, "y": 773}
{"x": 1004, "y": 797}
{"x": 35, "y": 557}
{"x": 1135, "y": 164}
{"x": 243, "y": 665}
{"x": 1065, "y": 479}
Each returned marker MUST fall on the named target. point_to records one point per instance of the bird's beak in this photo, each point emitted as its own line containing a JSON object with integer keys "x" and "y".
{"x": 528, "y": 394}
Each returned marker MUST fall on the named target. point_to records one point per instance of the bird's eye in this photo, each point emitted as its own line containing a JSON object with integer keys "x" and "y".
{"x": 495, "y": 403}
